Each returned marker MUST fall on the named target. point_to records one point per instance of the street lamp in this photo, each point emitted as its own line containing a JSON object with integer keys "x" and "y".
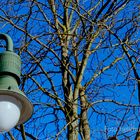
{"x": 15, "y": 108}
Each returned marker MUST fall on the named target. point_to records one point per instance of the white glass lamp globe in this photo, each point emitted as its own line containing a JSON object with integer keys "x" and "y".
{"x": 9, "y": 112}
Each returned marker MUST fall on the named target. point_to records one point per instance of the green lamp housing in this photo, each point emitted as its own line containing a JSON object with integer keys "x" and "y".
{"x": 10, "y": 70}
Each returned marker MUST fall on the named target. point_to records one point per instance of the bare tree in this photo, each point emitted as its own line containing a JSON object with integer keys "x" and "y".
{"x": 80, "y": 66}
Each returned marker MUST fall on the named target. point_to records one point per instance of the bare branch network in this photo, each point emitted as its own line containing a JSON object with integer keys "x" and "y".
{"x": 80, "y": 67}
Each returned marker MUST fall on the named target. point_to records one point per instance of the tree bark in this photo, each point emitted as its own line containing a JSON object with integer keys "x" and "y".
{"x": 84, "y": 124}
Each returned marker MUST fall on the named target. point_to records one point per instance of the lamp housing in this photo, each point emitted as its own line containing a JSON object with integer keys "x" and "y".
{"x": 10, "y": 94}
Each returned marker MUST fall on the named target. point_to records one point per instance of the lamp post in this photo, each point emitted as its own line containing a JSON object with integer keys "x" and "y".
{"x": 15, "y": 108}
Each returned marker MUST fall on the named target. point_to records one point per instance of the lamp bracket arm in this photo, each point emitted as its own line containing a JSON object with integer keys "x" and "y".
{"x": 8, "y": 40}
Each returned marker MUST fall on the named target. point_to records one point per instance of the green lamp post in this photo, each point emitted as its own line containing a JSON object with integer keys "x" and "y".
{"x": 15, "y": 108}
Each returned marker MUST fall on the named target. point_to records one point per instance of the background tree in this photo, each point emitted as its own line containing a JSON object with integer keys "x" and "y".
{"x": 80, "y": 66}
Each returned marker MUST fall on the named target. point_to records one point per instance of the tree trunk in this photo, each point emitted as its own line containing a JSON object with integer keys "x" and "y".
{"x": 72, "y": 121}
{"x": 84, "y": 124}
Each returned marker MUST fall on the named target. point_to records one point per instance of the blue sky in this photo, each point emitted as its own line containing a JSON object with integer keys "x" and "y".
{"x": 117, "y": 83}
